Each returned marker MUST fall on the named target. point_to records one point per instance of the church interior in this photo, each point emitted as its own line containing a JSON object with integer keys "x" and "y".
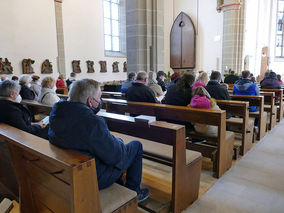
{"x": 141, "y": 106}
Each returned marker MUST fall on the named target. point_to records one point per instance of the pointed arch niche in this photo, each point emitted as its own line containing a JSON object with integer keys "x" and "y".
{"x": 183, "y": 43}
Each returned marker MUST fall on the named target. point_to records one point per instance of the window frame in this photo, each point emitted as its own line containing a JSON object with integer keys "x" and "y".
{"x": 112, "y": 52}
{"x": 281, "y": 57}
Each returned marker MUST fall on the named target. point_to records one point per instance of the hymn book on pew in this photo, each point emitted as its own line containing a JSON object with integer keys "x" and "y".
{"x": 45, "y": 121}
{"x": 145, "y": 119}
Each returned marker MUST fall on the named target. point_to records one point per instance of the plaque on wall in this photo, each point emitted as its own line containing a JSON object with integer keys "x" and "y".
{"x": 103, "y": 66}
{"x": 27, "y": 66}
{"x": 125, "y": 66}
{"x": 90, "y": 65}
{"x": 46, "y": 67}
{"x": 5, "y": 67}
{"x": 115, "y": 66}
{"x": 76, "y": 66}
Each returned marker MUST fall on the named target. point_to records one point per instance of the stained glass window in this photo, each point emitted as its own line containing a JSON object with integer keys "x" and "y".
{"x": 279, "y": 52}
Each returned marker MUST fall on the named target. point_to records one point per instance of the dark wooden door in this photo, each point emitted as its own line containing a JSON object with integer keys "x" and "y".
{"x": 183, "y": 43}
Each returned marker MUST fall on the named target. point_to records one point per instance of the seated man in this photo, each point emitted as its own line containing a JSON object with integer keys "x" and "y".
{"x": 70, "y": 80}
{"x": 12, "y": 112}
{"x": 231, "y": 78}
{"x": 75, "y": 125}
{"x": 245, "y": 86}
{"x": 139, "y": 91}
{"x": 215, "y": 89}
{"x": 128, "y": 82}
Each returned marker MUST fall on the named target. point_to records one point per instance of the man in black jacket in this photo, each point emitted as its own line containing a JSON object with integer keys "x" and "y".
{"x": 12, "y": 112}
{"x": 139, "y": 92}
{"x": 215, "y": 89}
{"x": 232, "y": 78}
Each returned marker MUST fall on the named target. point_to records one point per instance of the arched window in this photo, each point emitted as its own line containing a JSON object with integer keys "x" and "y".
{"x": 112, "y": 20}
{"x": 279, "y": 51}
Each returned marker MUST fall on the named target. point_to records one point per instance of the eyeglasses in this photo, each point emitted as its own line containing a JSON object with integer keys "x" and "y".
{"x": 96, "y": 100}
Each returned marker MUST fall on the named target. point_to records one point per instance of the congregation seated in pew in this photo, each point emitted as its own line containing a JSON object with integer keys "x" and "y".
{"x": 201, "y": 81}
{"x": 139, "y": 92}
{"x": 35, "y": 85}
{"x": 180, "y": 93}
{"x": 14, "y": 113}
{"x": 26, "y": 92}
{"x": 48, "y": 94}
{"x": 231, "y": 78}
{"x": 152, "y": 84}
{"x": 245, "y": 86}
{"x": 92, "y": 137}
{"x": 270, "y": 82}
{"x": 215, "y": 89}
{"x": 201, "y": 99}
{"x": 128, "y": 83}
{"x": 174, "y": 78}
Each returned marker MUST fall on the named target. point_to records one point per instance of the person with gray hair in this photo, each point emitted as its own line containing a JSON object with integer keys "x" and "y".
{"x": 26, "y": 92}
{"x": 13, "y": 113}
{"x": 74, "y": 124}
{"x": 139, "y": 92}
{"x": 153, "y": 85}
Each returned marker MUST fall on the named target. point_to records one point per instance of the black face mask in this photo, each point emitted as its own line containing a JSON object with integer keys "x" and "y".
{"x": 98, "y": 108}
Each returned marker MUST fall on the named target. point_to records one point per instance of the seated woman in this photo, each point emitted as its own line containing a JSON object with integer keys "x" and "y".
{"x": 47, "y": 94}
{"x": 153, "y": 85}
{"x": 202, "y": 100}
{"x": 26, "y": 92}
{"x": 60, "y": 81}
{"x": 201, "y": 81}
{"x": 35, "y": 84}
{"x": 13, "y": 113}
{"x": 270, "y": 82}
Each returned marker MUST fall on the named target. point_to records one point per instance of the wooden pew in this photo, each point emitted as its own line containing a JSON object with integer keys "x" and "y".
{"x": 171, "y": 151}
{"x": 223, "y": 141}
{"x": 116, "y": 95}
{"x": 279, "y": 103}
{"x": 261, "y": 115}
{"x": 240, "y": 120}
{"x": 270, "y": 108}
{"x": 56, "y": 180}
{"x": 62, "y": 90}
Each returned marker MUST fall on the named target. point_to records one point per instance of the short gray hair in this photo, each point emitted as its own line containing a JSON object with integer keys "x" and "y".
{"x": 8, "y": 86}
{"x": 82, "y": 89}
{"x": 25, "y": 79}
{"x": 141, "y": 76}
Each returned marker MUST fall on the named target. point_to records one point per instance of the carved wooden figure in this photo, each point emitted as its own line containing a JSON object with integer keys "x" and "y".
{"x": 115, "y": 66}
{"x": 90, "y": 65}
{"x": 46, "y": 67}
{"x": 27, "y": 66}
{"x": 125, "y": 66}
{"x": 76, "y": 66}
{"x": 1, "y": 65}
{"x": 103, "y": 66}
{"x": 8, "y": 69}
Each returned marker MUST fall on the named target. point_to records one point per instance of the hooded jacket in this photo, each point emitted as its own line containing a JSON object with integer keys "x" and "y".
{"x": 217, "y": 91}
{"x": 246, "y": 87}
{"x": 76, "y": 126}
{"x": 270, "y": 82}
{"x": 27, "y": 93}
{"x": 140, "y": 93}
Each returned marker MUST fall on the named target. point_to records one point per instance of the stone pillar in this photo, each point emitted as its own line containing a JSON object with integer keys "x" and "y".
{"x": 233, "y": 35}
{"x": 60, "y": 38}
{"x": 136, "y": 35}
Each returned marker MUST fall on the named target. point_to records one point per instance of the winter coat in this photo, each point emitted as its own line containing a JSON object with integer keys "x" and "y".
{"x": 18, "y": 116}
{"x": 126, "y": 85}
{"x": 178, "y": 97}
{"x": 156, "y": 89}
{"x": 35, "y": 88}
{"x": 246, "y": 87}
{"x": 198, "y": 84}
{"x": 76, "y": 126}
{"x": 48, "y": 96}
{"x": 60, "y": 83}
{"x": 270, "y": 82}
{"x": 231, "y": 79}
{"x": 202, "y": 102}
{"x": 27, "y": 93}
{"x": 217, "y": 91}
{"x": 140, "y": 93}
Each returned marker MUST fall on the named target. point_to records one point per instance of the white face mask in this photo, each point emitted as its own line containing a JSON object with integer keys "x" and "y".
{"x": 18, "y": 99}
{"x": 29, "y": 85}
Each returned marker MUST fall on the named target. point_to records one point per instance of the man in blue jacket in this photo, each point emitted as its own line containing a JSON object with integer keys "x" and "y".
{"x": 245, "y": 86}
{"x": 75, "y": 125}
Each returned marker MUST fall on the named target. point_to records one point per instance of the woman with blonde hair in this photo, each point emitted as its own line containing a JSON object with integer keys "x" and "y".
{"x": 153, "y": 85}
{"x": 201, "y": 81}
{"x": 47, "y": 94}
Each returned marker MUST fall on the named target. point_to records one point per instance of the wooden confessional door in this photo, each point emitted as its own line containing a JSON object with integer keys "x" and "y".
{"x": 183, "y": 43}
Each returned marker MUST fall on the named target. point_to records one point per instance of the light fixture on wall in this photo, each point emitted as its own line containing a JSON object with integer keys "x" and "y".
{"x": 226, "y": 7}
